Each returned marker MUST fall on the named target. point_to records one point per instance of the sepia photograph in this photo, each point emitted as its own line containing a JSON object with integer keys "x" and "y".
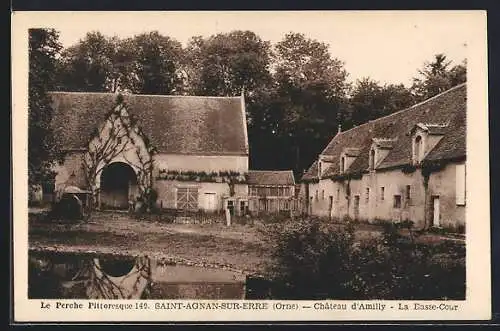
{"x": 250, "y": 156}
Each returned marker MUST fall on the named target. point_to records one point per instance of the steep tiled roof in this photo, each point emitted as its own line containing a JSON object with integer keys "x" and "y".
{"x": 268, "y": 177}
{"x": 384, "y": 143}
{"x": 311, "y": 173}
{"x": 448, "y": 107}
{"x": 173, "y": 124}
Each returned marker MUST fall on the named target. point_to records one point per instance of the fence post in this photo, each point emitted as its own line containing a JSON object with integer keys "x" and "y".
{"x": 228, "y": 217}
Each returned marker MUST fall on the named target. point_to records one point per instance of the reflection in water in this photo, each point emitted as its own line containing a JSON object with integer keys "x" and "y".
{"x": 86, "y": 276}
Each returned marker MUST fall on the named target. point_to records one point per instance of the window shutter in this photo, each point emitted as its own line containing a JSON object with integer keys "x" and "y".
{"x": 460, "y": 184}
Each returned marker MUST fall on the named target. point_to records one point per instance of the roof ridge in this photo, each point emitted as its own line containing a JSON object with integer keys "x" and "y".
{"x": 260, "y": 170}
{"x": 397, "y": 112}
{"x": 409, "y": 108}
{"x": 149, "y": 95}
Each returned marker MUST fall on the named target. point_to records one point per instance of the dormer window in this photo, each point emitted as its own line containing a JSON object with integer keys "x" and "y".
{"x": 381, "y": 147}
{"x": 347, "y": 157}
{"x": 319, "y": 169}
{"x": 425, "y": 138}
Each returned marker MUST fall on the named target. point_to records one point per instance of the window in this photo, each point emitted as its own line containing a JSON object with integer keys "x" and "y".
{"x": 367, "y": 198}
{"x": 342, "y": 164}
{"x": 317, "y": 195}
{"x": 397, "y": 201}
{"x": 243, "y": 208}
{"x": 372, "y": 159}
{"x": 408, "y": 192}
{"x": 319, "y": 168}
{"x": 418, "y": 149}
{"x": 187, "y": 198}
{"x": 338, "y": 194}
{"x": 382, "y": 193}
{"x": 322, "y": 194}
{"x": 460, "y": 184}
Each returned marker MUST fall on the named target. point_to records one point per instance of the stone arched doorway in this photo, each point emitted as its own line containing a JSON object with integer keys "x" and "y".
{"x": 118, "y": 184}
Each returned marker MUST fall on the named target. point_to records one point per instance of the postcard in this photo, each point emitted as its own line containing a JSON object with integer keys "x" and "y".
{"x": 250, "y": 166}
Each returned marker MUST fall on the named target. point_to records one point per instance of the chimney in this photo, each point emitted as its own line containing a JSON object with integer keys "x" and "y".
{"x": 340, "y": 128}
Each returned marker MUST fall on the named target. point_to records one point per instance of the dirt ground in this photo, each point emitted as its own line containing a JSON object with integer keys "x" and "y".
{"x": 237, "y": 247}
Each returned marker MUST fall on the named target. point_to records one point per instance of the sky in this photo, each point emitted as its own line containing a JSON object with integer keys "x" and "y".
{"x": 388, "y": 47}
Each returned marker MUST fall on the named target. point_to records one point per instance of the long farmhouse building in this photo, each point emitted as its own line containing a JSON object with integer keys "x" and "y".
{"x": 410, "y": 165}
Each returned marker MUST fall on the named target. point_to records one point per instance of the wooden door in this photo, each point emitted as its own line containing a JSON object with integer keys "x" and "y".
{"x": 187, "y": 198}
{"x": 230, "y": 207}
{"x": 356, "y": 207}
{"x": 436, "y": 214}
{"x": 210, "y": 201}
{"x": 330, "y": 206}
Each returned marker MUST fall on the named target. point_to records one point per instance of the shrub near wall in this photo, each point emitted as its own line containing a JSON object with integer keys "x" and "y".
{"x": 312, "y": 260}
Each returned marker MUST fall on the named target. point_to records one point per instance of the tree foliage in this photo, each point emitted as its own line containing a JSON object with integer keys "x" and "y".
{"x": 43, "y": 147}
{"x": 296, "y": 91}
{"x": 315, "y": 260}
{"x": 226, "y": 63}
{"x": 148, "y": 63}
{"x": 370, "y": 100}
{"x": 157, "y": 64}
{"x": 436, "y": 77}
{"x": 88, "y": 65}
{"x": 304, "y": 104}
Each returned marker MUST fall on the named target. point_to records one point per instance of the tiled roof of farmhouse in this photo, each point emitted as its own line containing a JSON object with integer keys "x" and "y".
{"x": 312, "y": 172}
{"x": 173, "y": 124}
{"x": 444, "y": 114}
{"x": 270, "y": 177}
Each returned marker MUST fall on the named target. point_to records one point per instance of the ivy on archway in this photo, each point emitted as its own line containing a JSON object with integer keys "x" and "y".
{"x": 117, "y": 137}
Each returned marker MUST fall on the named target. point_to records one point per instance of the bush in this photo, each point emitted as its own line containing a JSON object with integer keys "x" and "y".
{"x": 307, "y": 255}
{"x": 69, "y": 208}
{"x": 313, "y": 260}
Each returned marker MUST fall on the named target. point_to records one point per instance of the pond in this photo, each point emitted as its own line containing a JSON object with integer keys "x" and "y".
{"x": 58, "y": 275}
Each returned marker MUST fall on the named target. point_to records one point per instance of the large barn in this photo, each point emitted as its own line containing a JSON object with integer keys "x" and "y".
{"x": 192, "y": 150}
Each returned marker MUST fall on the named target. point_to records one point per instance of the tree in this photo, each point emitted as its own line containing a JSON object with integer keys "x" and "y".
{"x": 309, "y": 94}
{"x": 88, "y": 65}
{"x": 436, "y": 77}
{"x": 43, "y": 147}
{"x": 398, "y": 97}
{"x": 226, "y": 63}
{"x": 122, "y": 76}
{"x": 192, "y": 65}
{"x": 370, "y": 100}
{"x": 458, "y": 74}
{"x": 158, "y": 64}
